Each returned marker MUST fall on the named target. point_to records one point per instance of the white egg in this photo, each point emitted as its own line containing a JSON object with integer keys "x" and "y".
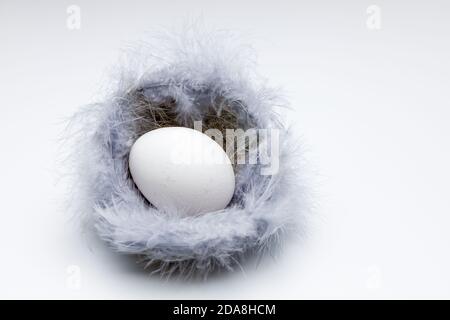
{"x": 182, "y": 170}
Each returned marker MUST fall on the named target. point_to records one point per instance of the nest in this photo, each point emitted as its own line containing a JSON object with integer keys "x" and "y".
{"x": 200, "y": 78}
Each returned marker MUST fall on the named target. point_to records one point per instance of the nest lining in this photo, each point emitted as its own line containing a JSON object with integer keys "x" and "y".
{"x": 216, "y": 113}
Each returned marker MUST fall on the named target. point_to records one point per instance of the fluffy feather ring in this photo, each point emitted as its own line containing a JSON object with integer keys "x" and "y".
{"x": 175, "y": 80}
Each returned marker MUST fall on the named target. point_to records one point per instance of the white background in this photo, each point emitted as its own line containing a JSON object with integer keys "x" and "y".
{"x": 372, "y": 107}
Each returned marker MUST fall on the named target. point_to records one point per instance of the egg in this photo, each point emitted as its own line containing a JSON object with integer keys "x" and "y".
{"x": 181, "y": 170}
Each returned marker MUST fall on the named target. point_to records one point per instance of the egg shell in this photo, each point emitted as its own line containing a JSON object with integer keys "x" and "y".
{"x": 182, "y": 170}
